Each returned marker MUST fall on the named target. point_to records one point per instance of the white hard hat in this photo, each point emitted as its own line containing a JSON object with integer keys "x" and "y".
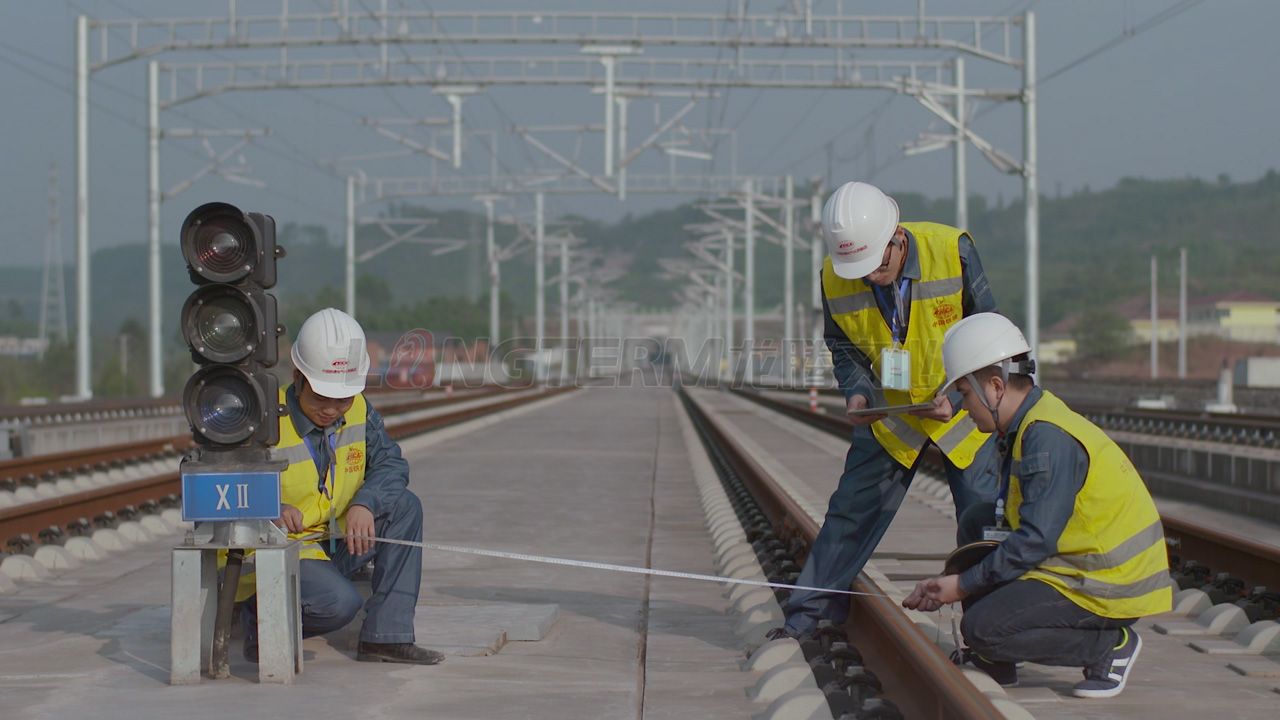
{"x": 330, "y": 351}
{"x": 858, "y": 222}
{"x": 981, "y": 341}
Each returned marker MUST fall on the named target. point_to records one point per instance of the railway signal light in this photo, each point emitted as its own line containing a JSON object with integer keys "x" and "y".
{"x": 231, "y": 328}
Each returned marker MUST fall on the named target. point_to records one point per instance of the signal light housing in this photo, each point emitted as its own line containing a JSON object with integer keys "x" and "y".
{"x": 223, "y": 244}
{"x": 231, "y": 328}
{"x": 229, "y": 407}
{"x": 226, "y": 324}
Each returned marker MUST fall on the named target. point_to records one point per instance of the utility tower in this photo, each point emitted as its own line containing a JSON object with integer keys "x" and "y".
{"x": 53, "y": 295}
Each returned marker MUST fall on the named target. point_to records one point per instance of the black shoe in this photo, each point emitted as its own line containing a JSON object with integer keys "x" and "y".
{"x": 778, "y": 633}
{"x": 397, "y": 653}
{"x": 1004, "y": 673}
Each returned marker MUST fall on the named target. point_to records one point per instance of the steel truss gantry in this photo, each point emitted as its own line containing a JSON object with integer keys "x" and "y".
{"x": 989, "y": 38}
{"x": 489, "y": 189}
{"x": 611, "y": 47}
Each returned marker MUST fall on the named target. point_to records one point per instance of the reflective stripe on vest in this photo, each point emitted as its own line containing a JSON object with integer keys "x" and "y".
{"x": 936, "y": 304}
{"x": 299, "y": 482}
{"x": 1111, "y": 558}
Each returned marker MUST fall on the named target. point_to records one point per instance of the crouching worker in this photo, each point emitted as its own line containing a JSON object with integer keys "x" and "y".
{"x": 345, "y": 480}
{"x": 1080, "y": 554}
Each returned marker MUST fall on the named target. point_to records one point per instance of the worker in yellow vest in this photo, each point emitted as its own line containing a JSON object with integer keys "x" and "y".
{"x": 890, "y": 290}
{"x": 346, "y": 480}
{"x": 1080, "y": 554}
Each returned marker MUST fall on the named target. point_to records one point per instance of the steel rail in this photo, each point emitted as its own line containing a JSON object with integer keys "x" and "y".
{"x": 1236, "y": 555}
{"x": 916, "y": 674}
{"x": 38, "y": 466}
{"x": 31, "y": 518}
{"x": 1231, "y": 428}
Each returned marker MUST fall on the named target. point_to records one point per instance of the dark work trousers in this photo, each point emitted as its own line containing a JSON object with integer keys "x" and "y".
{"x": 864, "y": 503}
{"x": 330, "y": 600}
{"x": 1028, "y": 620}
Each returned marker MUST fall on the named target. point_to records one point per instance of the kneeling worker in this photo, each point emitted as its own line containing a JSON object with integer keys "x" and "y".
{"x": 345, "y": 479}
{"x": 1081, "y": 553}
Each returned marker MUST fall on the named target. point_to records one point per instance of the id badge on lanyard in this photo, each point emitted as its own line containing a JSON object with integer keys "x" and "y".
{"x": 895, "y": 368}
{"x": 895, "y": 362}
{"x": 1000, "y": 530}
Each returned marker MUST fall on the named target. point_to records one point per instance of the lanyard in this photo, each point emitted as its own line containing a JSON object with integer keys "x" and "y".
{"x": 898, "y": 311}
{"x": 327, "y": 489}
{"x": 1004, "y": 447}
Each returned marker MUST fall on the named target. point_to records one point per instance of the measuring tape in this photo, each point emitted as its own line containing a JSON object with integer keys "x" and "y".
{"x": 566, "y": 562}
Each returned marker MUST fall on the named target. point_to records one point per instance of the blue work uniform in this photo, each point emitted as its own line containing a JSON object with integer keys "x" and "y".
{"x": 329, "y": 599}
{"x": 873, "y": 483}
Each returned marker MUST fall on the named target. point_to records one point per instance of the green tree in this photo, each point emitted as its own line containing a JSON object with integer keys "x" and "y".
{"x": 1101, "y": 334}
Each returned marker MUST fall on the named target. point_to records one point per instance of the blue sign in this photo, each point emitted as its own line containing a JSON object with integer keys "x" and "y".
{"x": 230, "y": 496}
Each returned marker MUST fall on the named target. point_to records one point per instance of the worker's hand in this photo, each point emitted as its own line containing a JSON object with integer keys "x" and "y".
{"x": 859, "y": 402}
{"x": 941, "y": 410}
{"x": 290, "y": 519}
{"x": 933, "y": 593}
{"x": 359, "y": 530}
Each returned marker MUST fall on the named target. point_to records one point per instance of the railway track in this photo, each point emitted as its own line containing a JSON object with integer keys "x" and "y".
{"x": 915, "y": 674}
{"x": 44, "y": 499}
{"x": 1252, "y": 430}
{"x": 1252, "y": 563}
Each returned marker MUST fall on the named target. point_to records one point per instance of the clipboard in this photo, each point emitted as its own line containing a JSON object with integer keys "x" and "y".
{"x": 890, "y": 409}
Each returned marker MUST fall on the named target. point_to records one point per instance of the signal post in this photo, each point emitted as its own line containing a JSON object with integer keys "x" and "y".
{"x": 230, "y": 483}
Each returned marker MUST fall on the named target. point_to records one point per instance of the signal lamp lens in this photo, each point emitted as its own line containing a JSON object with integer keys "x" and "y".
{"x": 220, "y": 247}
{"x": 219, "y": 322}
{"x": 223, "y": 405}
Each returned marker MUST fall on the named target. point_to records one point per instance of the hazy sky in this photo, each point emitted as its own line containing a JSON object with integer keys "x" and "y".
{"x": 1192, "y": 94}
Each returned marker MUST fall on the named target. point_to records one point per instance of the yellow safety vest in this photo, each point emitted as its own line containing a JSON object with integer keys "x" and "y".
{"x": 299, "y": 483}
{"x": 1111, "y": 556}
{"x": 936, "y": 304}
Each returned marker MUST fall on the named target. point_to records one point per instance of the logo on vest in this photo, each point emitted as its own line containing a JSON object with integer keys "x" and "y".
{"x": 355, "y": 459}
{"x": 945, "y": 314}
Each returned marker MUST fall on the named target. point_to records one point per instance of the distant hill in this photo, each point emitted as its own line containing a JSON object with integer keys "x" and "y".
{"x": 1095, "y": 248}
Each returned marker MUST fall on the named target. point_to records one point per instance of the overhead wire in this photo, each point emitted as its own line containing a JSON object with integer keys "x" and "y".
{"x": 1154, "y": 21}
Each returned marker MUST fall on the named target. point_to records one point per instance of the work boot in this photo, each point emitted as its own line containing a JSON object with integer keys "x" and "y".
{"x": 397, "y": 653}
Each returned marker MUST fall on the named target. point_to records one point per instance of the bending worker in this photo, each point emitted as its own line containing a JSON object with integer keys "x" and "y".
{"x": 1081, "y": 552}
{"x": 890, "y": 290}
{"x": 347, "y": 480}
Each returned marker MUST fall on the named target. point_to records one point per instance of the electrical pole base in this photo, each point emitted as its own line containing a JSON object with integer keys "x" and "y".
{"x": 195, "y": 601}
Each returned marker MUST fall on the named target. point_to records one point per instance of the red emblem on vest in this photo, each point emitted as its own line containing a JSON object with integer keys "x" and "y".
{"x": 945, "y": 314}
{"x": 355, "y": 459}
